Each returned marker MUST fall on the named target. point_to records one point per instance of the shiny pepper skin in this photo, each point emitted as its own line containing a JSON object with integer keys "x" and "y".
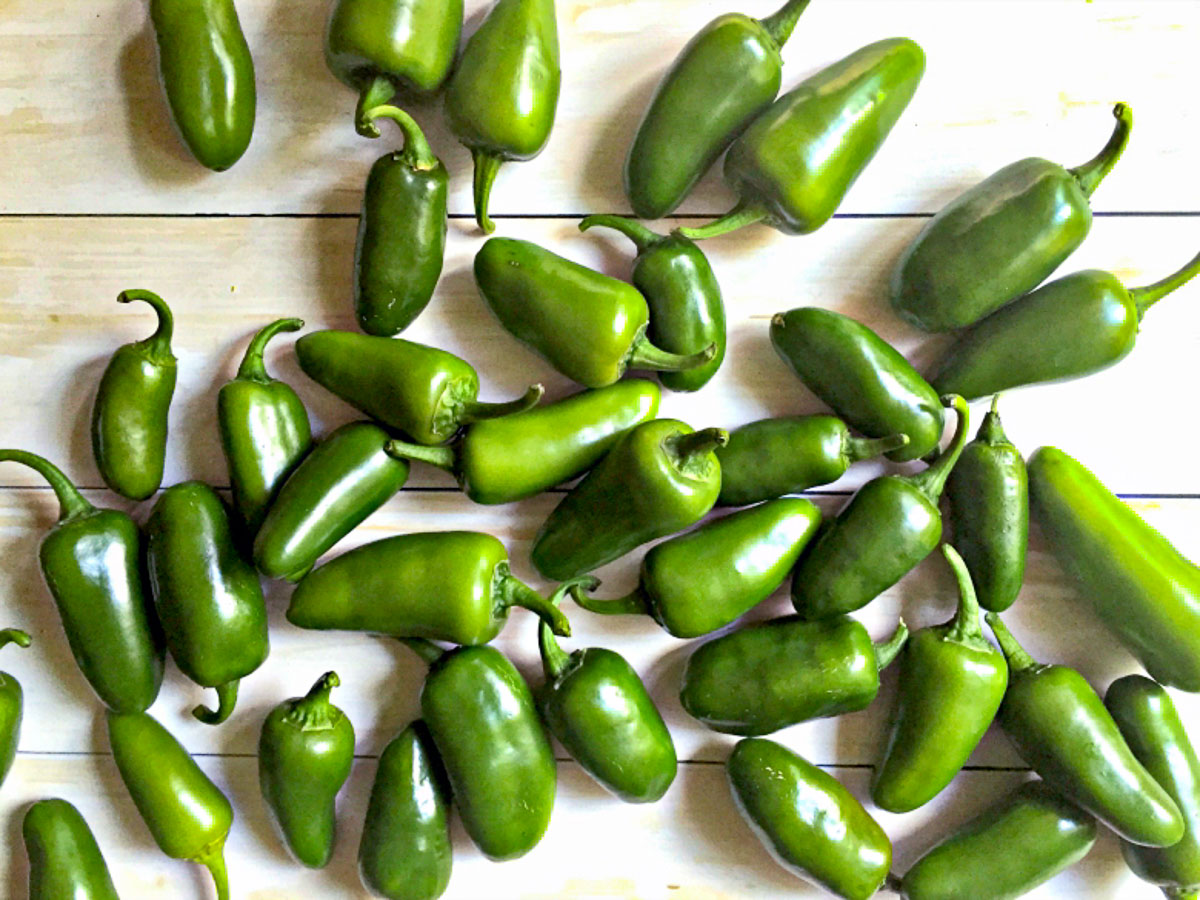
{"x": 12, "y": 702}
{"x": 65, "y": 863}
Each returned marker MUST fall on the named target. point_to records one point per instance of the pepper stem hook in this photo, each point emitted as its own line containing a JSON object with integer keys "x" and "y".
{"x": 227, "y": 694}
{"x": 510, "y": 591}
{"x": 633, "y": 603}
{"x": 160, "y": 341}
{"x": 1146, "y": 297}
{"x": 443, "y": 457}
{"x": 417, "y": 152}
{"x": 252, "y": 367}
{"x": 933, "y": 480}
{"x": 1092, "y": 172}
{"x": 966, "y": 624}
{"x": 554, "y": 659}
{"x": 486, "y": 167}
{"x": 214, "y": 861}
{"x": 14, "y": 636}
{"x": 474, "y": 410}
{"x": 780, "y": 24}
{"x": 71, "y": 502}
{"x": 644, "y": 355}
{"x": 696, "y": 444}
{"x": 1018, "y": 659}
{"x": 379, "y": 90}
{"x": 887, "y": 651}
{"x": 642, "y": 237}
{"x": 858, "y": 449}
{"x": 739, "y": 217}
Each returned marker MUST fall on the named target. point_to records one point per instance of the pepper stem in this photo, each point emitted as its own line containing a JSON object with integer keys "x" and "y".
{"x": 1018, "y": 659}
{"x": 887, "y": 651}
{"x": 858, "y": 449}
{"x": 933, "y": 480}
{"x": 739, "y": 217}
{"x": 642, "y": 237}
{"x": 378, "y": 91}
{"x": 510, "y": 591}
{"x": 644, "y": 355}
{"x": 695, "y": 444}
{"x": 14, "y": 636}
{"x": 214, "y": 861}
{"x": 632, "y": 604}
{"x": 160, "y": 341}
{"x": 1092, "y": 172}
{"x": 313, "y": 711}
{"x": 965, "y": 625}
{"x": 486, "y": 167}
{"x": 443, "y": 457}
{"x": 427, "y": 650}
{"x": 779, "y": 25}
{"x": 991, "y": 432}
{"x": 227, "y": 694}
{"x": 473, "y": 410}
{"x": 555, "y": 660}
{"x": 71, "y": 502}
{"x": 252, "y": 367}
{"x": 417, "y": 152}
{"x": 1146, "y": 297}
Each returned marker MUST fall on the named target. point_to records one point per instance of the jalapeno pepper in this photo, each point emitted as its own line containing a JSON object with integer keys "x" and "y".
{"x": 659, "y": 478}
{"x": 91, "y": 561}
{"x": 731, "y": 71}
{"x": 424, "y": 392}
{"x": 587, "y": 325}
{"x": 1061, "y": 729}
{"x": 887, "y": 528}
{"x": 1001, "y": 238}
{"x": 129, "y": 418}
{"x": 12, "y": 701}
{"x": 503, "y": 95}
{"x": 64, "y": 859}
{"x": 305, "y": 751}
{"x": 794, "y": 164}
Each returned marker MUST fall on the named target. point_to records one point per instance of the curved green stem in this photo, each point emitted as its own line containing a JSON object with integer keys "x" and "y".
{"x": 991, "y": 432}
{"x": 509, "y": 591}
{"x": 427, "y": 650}
{"x": 473, "y": 410}
{"x": 417, "y": 152}
{"x": 1146, "y": 297}
{"x": 252, "y": 367}
{"x": 227, "y": 695}
{"x": 695, "y": 444}
{"x": 14, "y": 636}
{"x": 1092, "y": 172}
{"x": 739, "y": 217}
{"x": 486, "y": 167}
{"x": 644, "y": 355}
{"x": 779, "y": 25}
{"x": 71, "y": 502}
{"x": 443, "y": 456}
{"x": 379, "y": 90}
{"x": 160, "y": 341}
{"x": 555, "y": 660}
{"x": 1018, "y": 659}
{"x": 632, "y": 604}
{"x": 313, "y": 711}
{"x": 642, "y": 237}
{"x": 214, "y": 861}
{"x": 858, "y": 449}
{"x": 966, "y": 625}
{"x": 887, "y": 651}
{"x": 933, "y": 480}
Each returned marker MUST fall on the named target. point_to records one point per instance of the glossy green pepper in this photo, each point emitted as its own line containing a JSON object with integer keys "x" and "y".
{"x": 424, "y": 392}
{"x": 188, "y": 816}
{"x": 718, "y": 84}
{"x": 65, "y": 863}
{"x": 503, "y": 95}
{"x": 788, "y": 455}
{"x": 1149, "y": 723}
{"x": 209, "y": 599}
{"x": 342, "y": 481}
{"x": 659, "y": 478}
{"x": 587, "y": 325}
{"x": 951, "y": 684}
{"x": 698, "y": 582}
{"x": 1141, "y": 587}
{"x": 12, "y": 701}
{"x": 999, "y": 239}
{"x": 406, "y": 852}
{"x": 520, "y": 455}
{"x": 208, "y": 76}
{"x": 794, "y": 164}
{"x": 305, "y": 751}
{"x": 773, "y": 674}
{"x": 1061, "y": 729}
{"x": 811, "y": 824}
{"x": 91, "y": 560}
{"x": 687, "y": 314}
{"x": 1073, "y": 326}
{"x": 401, "y": 240}
{"x": 862, "y": 378}
{"x": 887, "y": 528}
{"x": 446, "y": 585}
{"x": 129, "y": 418}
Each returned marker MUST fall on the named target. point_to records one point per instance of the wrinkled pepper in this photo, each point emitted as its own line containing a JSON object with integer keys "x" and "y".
{"x": 65, "y": 862}
{"x": 12, "y": 703}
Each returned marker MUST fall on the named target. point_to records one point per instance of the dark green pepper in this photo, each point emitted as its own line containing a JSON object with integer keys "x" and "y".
{"x": 999, "y": 239}
{"x": 887, "y": 528}
{"x": 503, "y": 95}
{"x": 91, "y": 560}
{"x": 424, "y": 392}
{"x": 188, "y": 816}
{"x": 718, "y": 84}
{"x": 1061, "y": 729}
{"x": 208, "y": 76}
{"x": 406, "y": 853}
{"x": 659, "y": 478}
{"x": 687, "y": 314}
{"x": 861, "y": 377}
{"x": 813, "y": 826}
{"x": 401, "y": 240}
{"x": 794, "y": 164}
{"x": 698, "y": 582}
{"x": 12, "y": 701}
{"x": 65, "y": 863}
{"x": 446, "y": 585}
{"x": 951, "y": 684}
{"x": 773, "y": 674}
{"x": 129, "y": 418}
{"x": 305, "y": 752}
{"x": 587, "y": 325}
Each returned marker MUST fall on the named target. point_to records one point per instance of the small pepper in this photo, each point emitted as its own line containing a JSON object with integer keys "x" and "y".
{"x": 129, "y": 418}
{"x": 12, "y": 701}
{"x": 65, "y": 863}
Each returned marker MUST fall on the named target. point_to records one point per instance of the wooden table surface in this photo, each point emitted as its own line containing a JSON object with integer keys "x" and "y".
{"x": 98, "y": 195}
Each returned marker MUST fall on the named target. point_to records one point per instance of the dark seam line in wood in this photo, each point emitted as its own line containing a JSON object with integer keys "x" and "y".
{"x": 465, "y": 217}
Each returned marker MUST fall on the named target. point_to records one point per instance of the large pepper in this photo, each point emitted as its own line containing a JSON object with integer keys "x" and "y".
{"x": 659, "y": 478}
{"x": 1001, "y": 238}
{"x": 1061, "y": 729}
{"x": 446, "y": 585}
{"x": 91, "y": 560}
{"x": 12, "y": 701}
{"x": 794, "y": 164}
{"x": 812, "y": 825}
{"x": 587, "y": 325}
{"x": 65, "y": 863}
{"x": 951, "y": 684}
{"x": 887, "y": 528}
{"x": 503, "y": 95}
{"x": 1073, "y": 326}
{"x": 718, "y": 84}
{"x": 129, "y": 418}
{"x": 698, "y": 582}
{"x": 424, "y": 392}
{"x": 773, "y": 674}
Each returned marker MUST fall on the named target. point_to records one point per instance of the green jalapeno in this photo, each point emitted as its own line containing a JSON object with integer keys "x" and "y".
{"x": 587, "y": 325}
{"x": 208, "y": 76}
{"x": 65, "y": 863}
{"x": 1001, "y": 238}
{"x": 91, "y": 561}
{"x": 794, "y": 164}
{"x": 12, "y": 701}
{"x": 503, "y": 95}
{"x": 887, "y": 528}
{"x": 659, "y": 478}
{"x": 305, "y": 751}
{"x": 1061, "y": 729}
{"x": 426, "y": 393}
{"x": 129, "y": 418}
{"x": 773, "y": 674}
{"x": 811, "y": 824}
